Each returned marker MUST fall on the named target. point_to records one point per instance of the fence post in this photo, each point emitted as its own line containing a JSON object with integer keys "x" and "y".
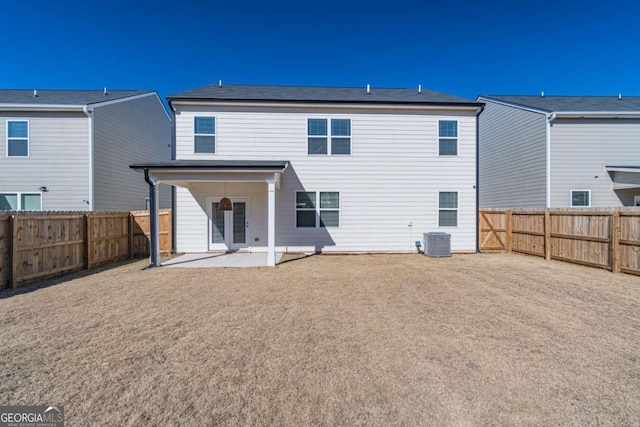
{"x": 615, "y": 243}
{"x": 131, "y": 231}
{"x": 13, "y": 278}
{"x": 87, "y": 242}
{"x": 547, "y": 234}
{"x": 509, "y": 234}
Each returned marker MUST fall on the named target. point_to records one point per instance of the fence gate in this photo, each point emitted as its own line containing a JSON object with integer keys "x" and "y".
{"x": 493, "y": 231}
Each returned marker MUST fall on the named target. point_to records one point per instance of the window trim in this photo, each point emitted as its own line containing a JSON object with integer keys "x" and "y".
{"x": 457, "y": 210}
{"x": 28, "y": 138}
{"x": 581, "y": 190}
{"x": 451, "y": 138}
{"x": 317, "y": 209}
{"x": 19, "y": 195}
{"x": 214, "y": 135}
{"x": 329, "y": 136}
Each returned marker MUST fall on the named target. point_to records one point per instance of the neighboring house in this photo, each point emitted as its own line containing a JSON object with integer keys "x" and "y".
{"x": 71, "y": 149}
{"x": 559, "y": 151}
{"x": 324, "y": 169}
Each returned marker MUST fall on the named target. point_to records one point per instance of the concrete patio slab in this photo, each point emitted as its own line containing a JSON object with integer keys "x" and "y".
{"x": 208, "y": 260}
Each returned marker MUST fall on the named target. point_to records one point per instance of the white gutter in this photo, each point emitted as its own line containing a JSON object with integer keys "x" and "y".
{"x": 89, "y": 112}
{"x": 550, "y": 118}
{"x": 598, "y": 114}
{"x": 365, "y": 106}
{"x": 43, "y": 107}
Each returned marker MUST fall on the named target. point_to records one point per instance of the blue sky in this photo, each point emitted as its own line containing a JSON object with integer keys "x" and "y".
{"x": 464, "y": 48}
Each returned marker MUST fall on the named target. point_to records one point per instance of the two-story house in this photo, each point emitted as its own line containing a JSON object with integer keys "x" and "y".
{"x": 322, "y": 169}
{"x": 559, "y": 151}
{"x": 71, "y": 149}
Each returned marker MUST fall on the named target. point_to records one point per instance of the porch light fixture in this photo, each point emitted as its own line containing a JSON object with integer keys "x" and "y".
{"x": 225, "y": 202}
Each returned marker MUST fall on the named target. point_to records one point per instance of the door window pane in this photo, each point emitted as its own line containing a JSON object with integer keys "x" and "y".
{"x": 239, "y": 219}
{"x": 217, "y": 224}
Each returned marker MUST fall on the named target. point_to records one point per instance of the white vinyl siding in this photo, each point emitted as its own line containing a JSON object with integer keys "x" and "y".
{"x": 512, "y": 158}
{"x": 581, "y": 149}
{"x": 17, "y": 138}
{"x": 133, "y": 131}
{"x": 58, "y": 159}
{"x": 392, "y": 177}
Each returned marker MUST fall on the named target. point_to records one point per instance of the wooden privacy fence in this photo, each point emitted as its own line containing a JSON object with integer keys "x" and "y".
{"x": 607, "y": 239}
{"x": 34, "y": 245}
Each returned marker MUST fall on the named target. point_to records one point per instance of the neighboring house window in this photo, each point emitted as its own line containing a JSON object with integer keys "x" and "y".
{"x": 580, "y": 198}
{"x": 317, "y": 209}
{"x": 204, "y": 135}
{"x": 21, "y": 201}
{"x": 448, "y": 138}
{"x": 18, "y": 138}
{"x": 320, "y": 134}
{"x": 448, "y": 209}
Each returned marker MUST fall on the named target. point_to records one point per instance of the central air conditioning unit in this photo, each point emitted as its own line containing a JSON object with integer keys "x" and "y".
{"x": 437, "y": 245}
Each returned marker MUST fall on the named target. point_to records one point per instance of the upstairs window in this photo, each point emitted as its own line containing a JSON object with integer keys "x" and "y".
{"x": 448, "y": 138}
{"x": 204, "y": 135}
{"x": 17, "y": 138}
{"x": 580, "y": 198}
{"x": 448, "y": 209}
{"x": 325, "y": 140}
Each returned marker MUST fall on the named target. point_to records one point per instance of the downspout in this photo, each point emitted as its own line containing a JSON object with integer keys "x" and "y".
{"x": 154, "y": 235}
{"x": 550, "y": 118}
{"x": 480, "y": 110}
{"x": 174, "y": 213}
{"x": 89, "y": 114}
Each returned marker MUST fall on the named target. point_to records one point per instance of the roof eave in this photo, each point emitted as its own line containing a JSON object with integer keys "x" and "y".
{"x": 514, "y": 105}
{"x": 325, "y": 103}
{"x": 42, "y": 107}
{"x": 598, "y": 114}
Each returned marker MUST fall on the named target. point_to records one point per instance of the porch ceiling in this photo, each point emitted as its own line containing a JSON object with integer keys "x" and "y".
{"x": 624, "y": 177}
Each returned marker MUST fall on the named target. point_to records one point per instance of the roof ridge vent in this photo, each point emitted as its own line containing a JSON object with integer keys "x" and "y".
{"x": 620, "y": 96}
{"x": 368, "y": 88}
{"x": 35, "y": 93}
{"x": 542, "y": 94}
{"x": 104, "y": 91}
{"x": 419, "y": 88}
{"x": 219, "y": 83}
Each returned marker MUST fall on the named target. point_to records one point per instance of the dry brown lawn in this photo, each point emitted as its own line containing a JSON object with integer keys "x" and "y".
{"x": 331, "y": 340}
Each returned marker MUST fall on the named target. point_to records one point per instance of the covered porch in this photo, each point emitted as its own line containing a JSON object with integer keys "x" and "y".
{"x": 228, "y": 222}
{"x": 626, "y": 182}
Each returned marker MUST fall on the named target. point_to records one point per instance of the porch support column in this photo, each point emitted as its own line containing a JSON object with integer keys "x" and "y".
{"x": 271, "y": 223}
{"x": 154, "y": 221}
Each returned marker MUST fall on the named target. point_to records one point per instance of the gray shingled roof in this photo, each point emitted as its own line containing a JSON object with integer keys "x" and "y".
{"x": 318, "y": 94}
{"x": 573, "y": 103}
{"x": 63, "y": 97}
